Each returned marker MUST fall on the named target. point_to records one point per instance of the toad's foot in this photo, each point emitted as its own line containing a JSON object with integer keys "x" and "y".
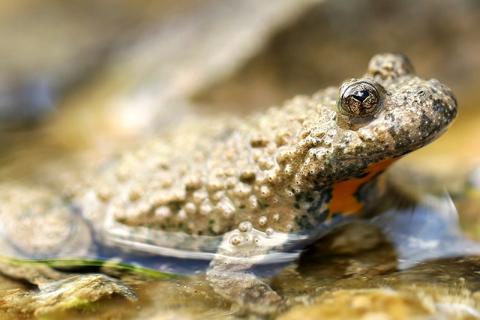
{"x": 230, "y": 271}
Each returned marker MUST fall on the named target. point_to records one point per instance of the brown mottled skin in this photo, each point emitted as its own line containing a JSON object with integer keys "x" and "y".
{"x": 248, "y": 189}
{"x": 272, "y": 168}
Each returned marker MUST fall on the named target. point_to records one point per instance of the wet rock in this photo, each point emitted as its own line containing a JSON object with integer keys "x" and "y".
{"x": 75, "y": 292}
{"x": 374, "y": 304}
{"x": 29, "y": 273}
{"x": 389, "y": 304}
{"x": 351, "y": 239}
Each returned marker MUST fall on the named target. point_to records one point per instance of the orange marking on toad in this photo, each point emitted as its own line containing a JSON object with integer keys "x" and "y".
{"x": 344, "y": 200}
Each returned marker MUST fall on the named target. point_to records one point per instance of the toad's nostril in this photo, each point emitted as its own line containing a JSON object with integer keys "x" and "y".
{"x": 448, "y": 111}
{"x": 439, "y": 106}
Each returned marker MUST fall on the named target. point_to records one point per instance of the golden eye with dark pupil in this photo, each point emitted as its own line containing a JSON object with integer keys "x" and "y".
{"x": 360, "y": 99}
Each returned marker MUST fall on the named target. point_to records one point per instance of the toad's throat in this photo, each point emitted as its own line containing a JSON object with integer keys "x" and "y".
{"x": 346, "y": 196}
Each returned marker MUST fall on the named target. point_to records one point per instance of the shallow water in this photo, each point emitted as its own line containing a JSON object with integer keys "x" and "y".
{"x": 359, "y": 272}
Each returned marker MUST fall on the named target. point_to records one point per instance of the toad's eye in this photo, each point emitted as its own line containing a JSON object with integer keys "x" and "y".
{"x": 359, "y": 99}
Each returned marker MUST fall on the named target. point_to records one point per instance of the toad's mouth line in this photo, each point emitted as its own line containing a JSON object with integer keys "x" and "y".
{"x": 383, "y": 154}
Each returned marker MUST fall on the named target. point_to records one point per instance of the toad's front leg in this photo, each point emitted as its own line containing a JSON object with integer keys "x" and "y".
{"x": 230, "y": 272}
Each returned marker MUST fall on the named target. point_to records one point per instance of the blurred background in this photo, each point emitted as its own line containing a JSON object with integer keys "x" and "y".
{"x": 79, "y": 74}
